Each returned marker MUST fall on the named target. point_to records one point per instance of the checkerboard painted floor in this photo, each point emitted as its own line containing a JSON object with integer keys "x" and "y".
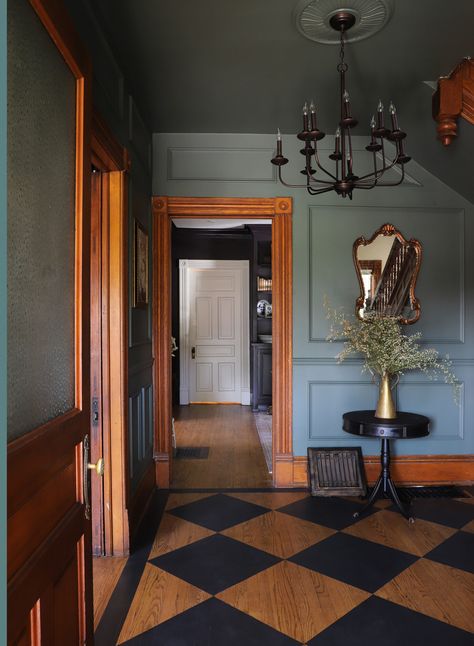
{"x": 281, "y": 568}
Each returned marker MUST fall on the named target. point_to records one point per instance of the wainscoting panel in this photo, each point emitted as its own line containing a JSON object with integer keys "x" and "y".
{"x": 441, "y": 232}
{"x": 324, "y": 390}
{"x": 138, "y": 134}
{"x": 221, "y": 164}
{"x": 140, "y": 433}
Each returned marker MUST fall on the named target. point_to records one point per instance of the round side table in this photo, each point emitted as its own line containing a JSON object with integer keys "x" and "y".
{"x": 404, "y": 426}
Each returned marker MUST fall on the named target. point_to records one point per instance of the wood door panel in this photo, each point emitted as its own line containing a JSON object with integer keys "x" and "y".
{"x": 36, "y": 457}
{"x": 65, "y": 604}
{"x": 32, "y": 582}
{"x": 31, "y": 524}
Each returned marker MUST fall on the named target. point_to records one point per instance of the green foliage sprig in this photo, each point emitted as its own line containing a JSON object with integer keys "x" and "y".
{"x": 386, "y": 349}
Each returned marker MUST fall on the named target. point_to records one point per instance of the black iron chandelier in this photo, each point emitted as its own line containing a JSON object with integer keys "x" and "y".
{"x": 344, "y": 180}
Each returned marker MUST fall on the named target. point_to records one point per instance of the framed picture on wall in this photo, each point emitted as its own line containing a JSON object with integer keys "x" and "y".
{"x": 140, "y": 267}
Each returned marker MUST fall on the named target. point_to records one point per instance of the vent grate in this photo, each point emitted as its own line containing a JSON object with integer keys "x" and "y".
{"x": 336, "y": 472}
{"x": 192, "y": 453}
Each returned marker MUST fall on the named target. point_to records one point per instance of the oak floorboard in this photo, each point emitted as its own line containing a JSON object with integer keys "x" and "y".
{"x": 436, "y": 590}
{"x": 279, "y": 534}
{"x": 235, "y": 459}
{"x": 159, "y": 597}
{"x": 106, "y": 573}
{"x": 391, "y": 529}
{"x": 294, "y": 600}
{"x": 174, "y": 533}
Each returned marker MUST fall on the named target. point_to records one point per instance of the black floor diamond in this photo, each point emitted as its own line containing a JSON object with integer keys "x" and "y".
{"x": 215, "y": 563}
{"x": 360, "y": 563}
{"x": 452, "y": 513}
{"x": 382, "y": 623}
{"x": 218, "y": 512}
{"x": 336, "y": 513}
{"x": 457, "y": 551}
{"x": 212, "y": 623}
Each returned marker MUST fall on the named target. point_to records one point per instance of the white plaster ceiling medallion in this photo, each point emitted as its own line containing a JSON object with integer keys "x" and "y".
{"x": 312, "y": 18}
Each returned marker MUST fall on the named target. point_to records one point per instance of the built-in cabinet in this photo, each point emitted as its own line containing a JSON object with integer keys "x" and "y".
{"x": 261, "y": 290}
{"x": 262, "y": 376}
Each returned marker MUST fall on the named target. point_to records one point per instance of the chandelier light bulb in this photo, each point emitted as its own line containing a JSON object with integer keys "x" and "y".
{"x": 338, "y": 132}
{"x": 346, "y": 96}
{"x": 380, "y": 106}
{"x": 278, "y": 135}
{"x": 305, "y": 108}
{"x": 312, "y": 107}
{"x": 391, "y": 108}
{"x": 372, "y": 122}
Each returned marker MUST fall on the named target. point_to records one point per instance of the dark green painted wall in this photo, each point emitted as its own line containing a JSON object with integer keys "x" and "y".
{"x": 118, "y": 108}
{"x": 324, "y": 228}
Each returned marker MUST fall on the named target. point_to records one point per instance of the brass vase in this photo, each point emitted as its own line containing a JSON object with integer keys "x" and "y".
{"x": 385, "y": 405}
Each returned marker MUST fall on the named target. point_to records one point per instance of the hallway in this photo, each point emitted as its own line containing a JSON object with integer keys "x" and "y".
{"x": 235, "y": 458}
{"x": 279, "y": 568}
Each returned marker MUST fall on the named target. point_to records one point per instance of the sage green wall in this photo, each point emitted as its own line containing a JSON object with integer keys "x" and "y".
{"x": 118, "y": 108}
{"x": 324, "y": 228}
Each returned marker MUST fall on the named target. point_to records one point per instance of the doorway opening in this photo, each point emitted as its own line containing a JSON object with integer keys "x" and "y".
{"x": 276, "y": 214}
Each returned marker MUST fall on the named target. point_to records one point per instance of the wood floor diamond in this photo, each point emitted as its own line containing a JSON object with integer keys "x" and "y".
{"x": 159, "y": 597}
{"x": 437, "y": 590}
{"x": 279, "y": 534}
{"x": 106, "y": 573}
{"x": 391, "y": 529}
{"x": 174, "y": 533}
{"x": 271, "y": 500}
{"x": 469, "y": 527}
{"x": 178, "y": 499}
{"x": 294, "y": 600}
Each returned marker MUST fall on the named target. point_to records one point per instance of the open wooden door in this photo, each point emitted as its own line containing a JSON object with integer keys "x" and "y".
{"x": 49, "y": 529}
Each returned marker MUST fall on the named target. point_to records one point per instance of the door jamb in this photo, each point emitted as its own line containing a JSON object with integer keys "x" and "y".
{"x": 279, "y": 210}
{"x": 113, "y": 161}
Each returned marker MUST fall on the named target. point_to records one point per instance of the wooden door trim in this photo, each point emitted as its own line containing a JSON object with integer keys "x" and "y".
{"x": 113, "y": 161}
{"x": 279, "y": 210}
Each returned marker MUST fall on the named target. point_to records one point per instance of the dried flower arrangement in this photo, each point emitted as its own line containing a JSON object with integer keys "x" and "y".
{"x": 386, "y": 350}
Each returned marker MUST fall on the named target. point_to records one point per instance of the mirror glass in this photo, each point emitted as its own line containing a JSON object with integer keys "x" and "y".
{"x": 387, "y": 266}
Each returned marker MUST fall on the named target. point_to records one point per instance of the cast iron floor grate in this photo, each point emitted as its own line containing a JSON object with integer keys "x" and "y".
{"x": 407, "y": 494}
{"x": 192, "y": 453}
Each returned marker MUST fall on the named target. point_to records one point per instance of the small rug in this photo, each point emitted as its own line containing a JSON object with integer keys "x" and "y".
{"x": 192, "y": 453}
{"x": 263, "y": 422}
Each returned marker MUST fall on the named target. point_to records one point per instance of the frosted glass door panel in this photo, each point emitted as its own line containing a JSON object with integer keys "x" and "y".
{"x": 41, "y": 224}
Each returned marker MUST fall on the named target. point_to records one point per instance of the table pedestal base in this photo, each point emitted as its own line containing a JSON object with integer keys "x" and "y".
{"x": 385, "y": 485}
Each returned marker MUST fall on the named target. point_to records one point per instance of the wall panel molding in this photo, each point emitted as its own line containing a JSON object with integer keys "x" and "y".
{"x": 417, "y": 222}
{"x": 224, "y": 164}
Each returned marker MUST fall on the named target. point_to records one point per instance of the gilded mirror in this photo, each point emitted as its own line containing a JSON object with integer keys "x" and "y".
{"x": 387, "y": 267}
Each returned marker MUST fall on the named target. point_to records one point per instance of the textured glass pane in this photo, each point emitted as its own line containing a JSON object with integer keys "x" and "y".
{"x": 41, "y": 168}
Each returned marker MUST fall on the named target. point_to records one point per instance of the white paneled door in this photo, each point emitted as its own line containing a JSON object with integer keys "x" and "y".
{"x": 214, "y": 331}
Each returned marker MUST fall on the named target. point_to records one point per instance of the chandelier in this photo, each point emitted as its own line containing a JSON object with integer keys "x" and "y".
{"x": 342, "y": 178}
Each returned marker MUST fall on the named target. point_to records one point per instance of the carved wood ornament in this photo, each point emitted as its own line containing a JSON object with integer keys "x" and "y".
{"x": 454, "y": 98}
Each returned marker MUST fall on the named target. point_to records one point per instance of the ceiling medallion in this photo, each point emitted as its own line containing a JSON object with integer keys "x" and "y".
{"x": 313, "y": 18}
{"x": 342, "y": 178}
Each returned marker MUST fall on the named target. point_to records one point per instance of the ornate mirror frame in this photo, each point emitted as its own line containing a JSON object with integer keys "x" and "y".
{"x": 389, "y": 230}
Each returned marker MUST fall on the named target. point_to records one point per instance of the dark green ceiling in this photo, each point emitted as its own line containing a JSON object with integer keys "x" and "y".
{"x": 242, "y": 66}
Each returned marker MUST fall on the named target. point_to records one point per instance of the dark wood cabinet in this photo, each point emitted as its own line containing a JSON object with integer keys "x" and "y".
{"x": 262, "y": 376}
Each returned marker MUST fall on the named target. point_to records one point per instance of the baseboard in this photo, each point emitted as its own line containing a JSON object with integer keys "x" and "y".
{"x": 405, "y": 470}
{"x": 140, "y": 500}
{"x": 162, "y": 470}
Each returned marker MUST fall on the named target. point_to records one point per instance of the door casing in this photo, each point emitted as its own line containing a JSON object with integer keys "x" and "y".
{"x": 109, "y": 348}
{"x": 279, "y": 210}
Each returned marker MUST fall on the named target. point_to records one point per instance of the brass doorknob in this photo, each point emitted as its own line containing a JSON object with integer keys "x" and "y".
{"x": 98, "y": 467}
